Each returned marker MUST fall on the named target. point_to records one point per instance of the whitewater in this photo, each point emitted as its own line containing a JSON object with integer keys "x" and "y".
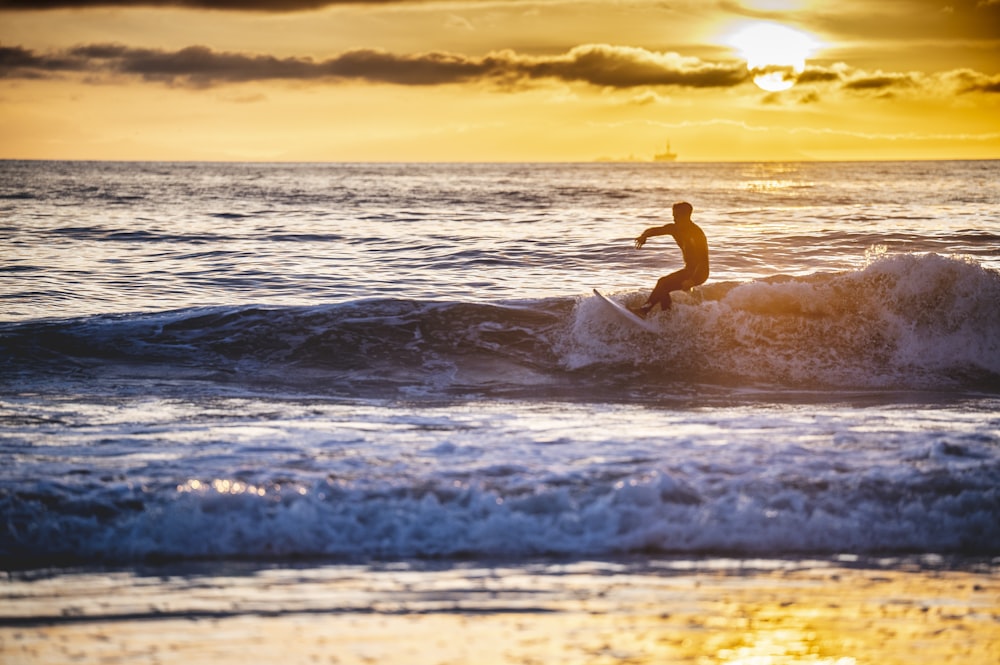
{"x": 358, "y": 363}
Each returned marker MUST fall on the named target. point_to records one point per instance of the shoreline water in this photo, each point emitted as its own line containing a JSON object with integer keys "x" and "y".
{"x": 837, "y": 611}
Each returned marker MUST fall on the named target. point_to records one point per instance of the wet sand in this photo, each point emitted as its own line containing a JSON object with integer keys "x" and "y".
{"x": 766, "y": 614}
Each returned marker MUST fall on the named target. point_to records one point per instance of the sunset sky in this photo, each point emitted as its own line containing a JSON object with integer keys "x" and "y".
{"x": 499, "y": 80}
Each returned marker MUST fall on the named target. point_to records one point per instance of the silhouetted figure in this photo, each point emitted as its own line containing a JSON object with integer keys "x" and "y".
{"x": 694, "y": 246}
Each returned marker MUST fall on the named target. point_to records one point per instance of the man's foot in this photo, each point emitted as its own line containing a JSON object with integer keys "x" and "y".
{"x": 641, "y": 312}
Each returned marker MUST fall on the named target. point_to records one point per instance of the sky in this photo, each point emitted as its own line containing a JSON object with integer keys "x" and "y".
{"x": 499, "y": 80}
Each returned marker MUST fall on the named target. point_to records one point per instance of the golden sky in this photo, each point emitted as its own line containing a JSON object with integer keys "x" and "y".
{"x": 499, "y": 80}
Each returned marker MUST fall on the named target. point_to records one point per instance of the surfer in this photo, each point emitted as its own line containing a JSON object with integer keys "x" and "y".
{"x": 694, "y": 247}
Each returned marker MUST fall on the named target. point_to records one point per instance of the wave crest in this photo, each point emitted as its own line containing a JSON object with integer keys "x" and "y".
{"x": 903, "y": 321}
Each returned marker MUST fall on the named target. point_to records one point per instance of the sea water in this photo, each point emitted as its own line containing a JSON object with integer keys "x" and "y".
{"x": 361, "y": 364}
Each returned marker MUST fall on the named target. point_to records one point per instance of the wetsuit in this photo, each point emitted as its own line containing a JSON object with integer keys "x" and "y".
{"x": 694, "y": 246}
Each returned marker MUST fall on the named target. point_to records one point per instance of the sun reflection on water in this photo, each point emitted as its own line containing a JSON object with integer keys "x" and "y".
{"x": 225, "y": 486}
{"x": 778, "y": 647}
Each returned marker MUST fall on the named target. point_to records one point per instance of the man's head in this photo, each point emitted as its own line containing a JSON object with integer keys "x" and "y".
{"x": 682, "y": 211}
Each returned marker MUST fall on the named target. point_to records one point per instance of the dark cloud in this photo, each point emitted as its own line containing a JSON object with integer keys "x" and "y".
{"x": 18, "y": 62}
{"x": 856, "y": 80}
{"x": 623, "y": 67}
{"x": 880, "y": 82}
{"x": 423, "y": 69}
{"x": 967, "y": 80}
{"x": 221, "y": 5}
{"x": 818, "y": 75}
{"x": 200, "y": 66}
{"x": 599, "y": 65}
{"x": 989, "y": 86}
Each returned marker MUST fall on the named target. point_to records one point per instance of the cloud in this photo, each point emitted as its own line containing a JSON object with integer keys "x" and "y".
{"x": 626, "y": 67}
{"x": 967, "y": 80}
{"x": 456, "y": 22}
{"x": 959, "y": 81}
{"x": 820, "y": 75}
{"x": 880, "y": 81}
{"x": 646, "y": 98}
{"x": 600, "y": 65}
{"x": 222, "y": 5}
{"x": 199, "y": 66}
{"x": 18, "y": 62}
{"x": 274, "y": 6}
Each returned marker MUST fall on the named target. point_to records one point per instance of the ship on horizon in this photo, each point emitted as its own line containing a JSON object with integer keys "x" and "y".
{"x": 667, "y": 156}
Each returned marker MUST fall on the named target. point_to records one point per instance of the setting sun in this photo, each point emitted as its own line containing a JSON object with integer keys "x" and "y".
{"x": 775, "y": 54}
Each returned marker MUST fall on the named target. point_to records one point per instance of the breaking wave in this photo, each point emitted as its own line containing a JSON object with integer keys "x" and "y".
{"x": 904, "y": 321}
{"x": 879, "y": 510}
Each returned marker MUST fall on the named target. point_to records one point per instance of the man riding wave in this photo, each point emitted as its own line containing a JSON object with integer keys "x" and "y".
{"x": 694, "y": 247}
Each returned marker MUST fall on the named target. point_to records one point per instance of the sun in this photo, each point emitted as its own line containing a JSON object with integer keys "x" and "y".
{"x": 775, "y": 54}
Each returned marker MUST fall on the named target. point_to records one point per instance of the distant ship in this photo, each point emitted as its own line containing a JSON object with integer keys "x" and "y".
{"x": 666, "y": 156}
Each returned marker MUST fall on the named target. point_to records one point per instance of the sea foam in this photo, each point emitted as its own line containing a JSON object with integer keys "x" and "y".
{"x": 904, "y": 321}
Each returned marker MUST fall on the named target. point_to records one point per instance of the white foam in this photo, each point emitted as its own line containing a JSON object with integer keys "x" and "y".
{"x": 905, "y": 320}
{"x": 509, "y": 480}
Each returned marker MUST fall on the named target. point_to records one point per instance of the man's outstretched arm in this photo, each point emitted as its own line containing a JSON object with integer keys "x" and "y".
{"x": 665, "y": 230}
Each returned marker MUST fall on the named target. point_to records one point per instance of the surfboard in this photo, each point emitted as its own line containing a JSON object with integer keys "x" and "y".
{"x": 622, "y": 312}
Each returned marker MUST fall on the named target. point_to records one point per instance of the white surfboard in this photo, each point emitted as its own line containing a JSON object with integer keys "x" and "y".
{"x": 621, "y": 311}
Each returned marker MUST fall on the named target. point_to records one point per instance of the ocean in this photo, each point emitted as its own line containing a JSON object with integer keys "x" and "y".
{"x": 393, "y": 377}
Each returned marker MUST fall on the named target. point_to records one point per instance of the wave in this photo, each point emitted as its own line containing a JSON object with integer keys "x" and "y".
{"x": 904, "y": 321}
{"x": 114, "y": 234}
{"x": 708, "y": 509}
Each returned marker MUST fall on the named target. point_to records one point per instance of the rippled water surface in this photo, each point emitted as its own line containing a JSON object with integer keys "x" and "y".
{"x": 92, "y": 238}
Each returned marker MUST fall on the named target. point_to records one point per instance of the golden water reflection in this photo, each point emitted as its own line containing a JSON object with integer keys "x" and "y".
{"x": 586, "y": 613}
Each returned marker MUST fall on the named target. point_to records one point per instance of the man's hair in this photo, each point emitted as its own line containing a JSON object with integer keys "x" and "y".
{"x": 684, "y": 207}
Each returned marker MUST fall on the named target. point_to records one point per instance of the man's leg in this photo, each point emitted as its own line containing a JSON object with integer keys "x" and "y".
{"x": 661, "y": 294}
